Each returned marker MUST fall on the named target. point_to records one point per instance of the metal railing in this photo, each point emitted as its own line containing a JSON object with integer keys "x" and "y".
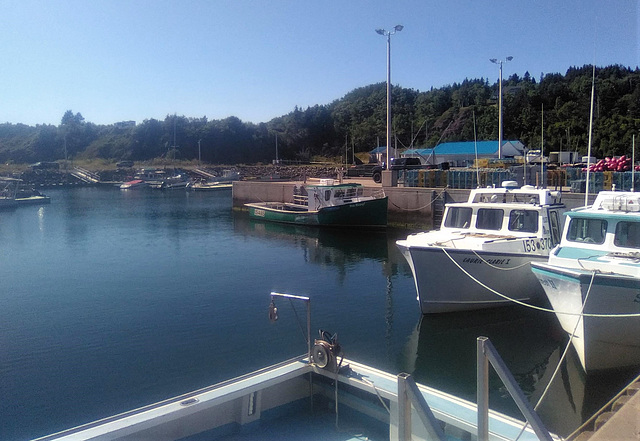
{"x": 409, "y": 394}
{"x": 488, "y": 353}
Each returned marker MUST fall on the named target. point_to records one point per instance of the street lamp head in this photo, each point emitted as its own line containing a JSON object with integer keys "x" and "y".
{"x": 509, "y": 58}
{"x": 493, "y": 60}
{"x": 398, "y": 28}
{"x": 380, "y": 31}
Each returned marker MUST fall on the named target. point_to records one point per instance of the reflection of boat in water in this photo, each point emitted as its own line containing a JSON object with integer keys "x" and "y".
{"x": 531, "y": 345}
{"x": 333, "y": 246}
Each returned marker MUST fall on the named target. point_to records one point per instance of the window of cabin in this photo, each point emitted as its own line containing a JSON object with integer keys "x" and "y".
{"x": 627, "y": 235}
{"x": 587, "y": 230}
{"x": 523, "y": 220}
{"x": 458, "y": 217}
{"x": 489, "y": 219}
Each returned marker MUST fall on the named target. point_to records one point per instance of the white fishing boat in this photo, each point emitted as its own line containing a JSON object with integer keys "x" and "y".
{"x": 319, "y": 396}
{"x": 480, "y": 256}
{"x": 592, "y": 280}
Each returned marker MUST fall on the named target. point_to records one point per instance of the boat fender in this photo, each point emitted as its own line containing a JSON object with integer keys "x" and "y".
{"x": 273, "y": 312}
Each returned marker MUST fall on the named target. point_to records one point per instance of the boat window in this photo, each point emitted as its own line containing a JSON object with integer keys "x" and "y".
{"x": 351, "y": 192}
{"x": 555, "y": 227}
{"x": 627, "y": 235}
{"x": 338, "y": 194}
{"x": 587, "y": 230}
{"x": 360, "y": 191}
{"x": 327, "y": 195}
{"x": 458, "y": 217}
{"x": 489, "y": 219}
{"x": 523, "y": 220}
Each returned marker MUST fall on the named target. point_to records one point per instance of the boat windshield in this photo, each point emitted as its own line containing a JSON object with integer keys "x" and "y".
{"x": 627, "y": 235}
{"x": 523, "y": 220}
{"x": 458, "y": 217}
{"x": 489, "y": 219}
{"x": 587, "y": 230}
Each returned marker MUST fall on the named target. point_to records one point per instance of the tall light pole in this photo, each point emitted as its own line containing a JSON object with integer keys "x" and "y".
{"x": 388, "y": 34}
{"x": 499, "y": 62}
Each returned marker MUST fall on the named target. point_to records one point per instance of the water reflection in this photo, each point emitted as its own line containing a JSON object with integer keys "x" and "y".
{"x": 531, "y": 343}
{"x": 339, "y": 248}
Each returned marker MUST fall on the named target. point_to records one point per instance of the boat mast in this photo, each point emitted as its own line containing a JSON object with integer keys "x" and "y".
{"x": 542, "y": 148}
{"x": 593, "y": 82}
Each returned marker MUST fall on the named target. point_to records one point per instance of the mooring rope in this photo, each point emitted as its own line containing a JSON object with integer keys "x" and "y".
{"x": 538, "y": 308}
{"x": 562, "y": 358}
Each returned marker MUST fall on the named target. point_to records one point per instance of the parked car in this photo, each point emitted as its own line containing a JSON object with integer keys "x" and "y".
{"x": 406, "y": 164}
{"x": 360, "y": 169}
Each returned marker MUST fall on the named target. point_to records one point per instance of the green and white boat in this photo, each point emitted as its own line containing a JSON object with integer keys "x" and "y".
{"x": 326, "y": 204}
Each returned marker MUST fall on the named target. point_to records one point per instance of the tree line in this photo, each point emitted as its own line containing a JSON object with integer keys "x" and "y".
{"x": 554, "y": 110}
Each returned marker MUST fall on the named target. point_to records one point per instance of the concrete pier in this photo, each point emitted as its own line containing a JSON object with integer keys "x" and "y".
{"x": 409, "y": 207}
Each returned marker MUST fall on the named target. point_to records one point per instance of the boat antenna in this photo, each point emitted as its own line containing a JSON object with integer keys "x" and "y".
{"x": 475, "y": 146}
{"x": 633, "y": 162}
{"x": 593, "y": 82}
{"x": 542, "y": 147}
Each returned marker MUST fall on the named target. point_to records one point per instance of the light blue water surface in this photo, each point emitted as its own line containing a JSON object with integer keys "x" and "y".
{"x": 112, "y": 299}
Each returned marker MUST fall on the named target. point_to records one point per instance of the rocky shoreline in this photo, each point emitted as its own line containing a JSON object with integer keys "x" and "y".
{"x": 56, "y": 178}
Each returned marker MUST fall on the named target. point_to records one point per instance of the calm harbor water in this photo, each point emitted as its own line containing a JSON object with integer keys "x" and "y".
{"x": 110, "y": 300}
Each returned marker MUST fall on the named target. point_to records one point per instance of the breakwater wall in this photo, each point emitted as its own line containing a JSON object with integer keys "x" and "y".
{"x": 409, "y": 207}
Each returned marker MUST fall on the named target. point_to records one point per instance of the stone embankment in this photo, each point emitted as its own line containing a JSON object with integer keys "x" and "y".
{"x": 50, "y": 178}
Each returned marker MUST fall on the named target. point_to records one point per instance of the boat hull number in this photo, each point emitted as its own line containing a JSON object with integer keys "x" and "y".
{"x": 536, "y": 245}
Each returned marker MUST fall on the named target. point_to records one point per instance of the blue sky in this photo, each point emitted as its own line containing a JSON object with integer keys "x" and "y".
{"x": 122, "y": 60}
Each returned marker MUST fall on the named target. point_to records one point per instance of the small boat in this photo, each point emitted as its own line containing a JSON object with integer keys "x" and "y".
{"x": 211, "y": 186}
{"x": 136, "y": 183}
{"x": 31, "y": 196}
{"x": 8, "y": 191}
{"x": 480, "y": 256}
{"x": 320, "y": 395}
{"x": 326, "y": 204}
{"x": 592, "y": 280}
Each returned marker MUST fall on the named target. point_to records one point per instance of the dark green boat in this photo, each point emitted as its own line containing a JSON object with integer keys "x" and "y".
{"x": 326, "y": 204}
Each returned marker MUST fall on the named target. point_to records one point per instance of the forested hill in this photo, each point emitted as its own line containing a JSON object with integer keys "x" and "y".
{"x": 358, "y": 122}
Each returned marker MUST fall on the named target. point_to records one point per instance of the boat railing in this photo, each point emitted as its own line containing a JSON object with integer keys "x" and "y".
{"x": 487, "y": 353}
{"x": 408, "y": 395}
{"x": 300, "y": 199}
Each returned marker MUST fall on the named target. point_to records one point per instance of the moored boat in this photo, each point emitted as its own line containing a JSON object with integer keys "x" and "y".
{"x": 326, "y": 204}
{"x": 8, "y": 191}
{"x": 134, "y": 184}
{"x": 211, "y": 186}
{"x": 31, "y": 196}
{"x": 592, "y": 280}
{"x": 480, "y": 256}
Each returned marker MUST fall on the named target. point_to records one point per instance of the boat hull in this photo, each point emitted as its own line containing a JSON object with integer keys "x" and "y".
{"x": 33, "y": 200}
{"x": 370, "y": 213}
{"x": 601, "y": 342}
{"x": 450, "y": 280}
